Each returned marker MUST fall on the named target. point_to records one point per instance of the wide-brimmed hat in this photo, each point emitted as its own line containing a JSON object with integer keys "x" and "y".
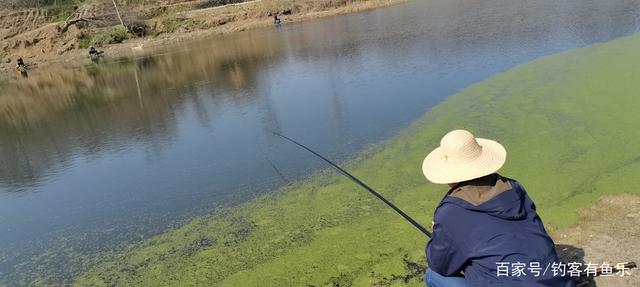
{"x": 461, "y": 157}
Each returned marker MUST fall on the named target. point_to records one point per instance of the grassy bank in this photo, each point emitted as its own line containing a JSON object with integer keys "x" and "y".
{"x": 568, "y": 121}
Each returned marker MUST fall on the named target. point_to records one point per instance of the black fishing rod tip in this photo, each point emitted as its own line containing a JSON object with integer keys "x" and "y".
{"x": 273, "y": 132}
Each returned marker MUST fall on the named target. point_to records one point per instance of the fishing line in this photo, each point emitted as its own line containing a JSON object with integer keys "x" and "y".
{"x": 359, "y": 182}
{"x": 273, "y": 166}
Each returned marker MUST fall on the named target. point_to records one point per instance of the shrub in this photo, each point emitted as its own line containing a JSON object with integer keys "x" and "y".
{"x": 61, "y": 13}
{"x": 215, "y": 3}
{"x": 117, "y": 35}
{"x": 170, "y": 25}
{"x": 138, "y": 28}
{"x": 84, "y": 42}
{"x": 101, "y": 37}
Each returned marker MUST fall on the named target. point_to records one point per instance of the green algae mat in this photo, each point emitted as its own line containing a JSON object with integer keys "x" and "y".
{"x": 570, "y": 126}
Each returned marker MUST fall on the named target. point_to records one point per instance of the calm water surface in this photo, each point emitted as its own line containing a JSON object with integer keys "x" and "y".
{"x": 99, "y": 156}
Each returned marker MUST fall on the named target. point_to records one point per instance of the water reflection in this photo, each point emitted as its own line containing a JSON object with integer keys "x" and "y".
{"x": 86, "y": 110}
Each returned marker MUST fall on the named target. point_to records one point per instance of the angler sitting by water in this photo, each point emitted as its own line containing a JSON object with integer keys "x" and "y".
{"x": 20, "y": 65}
{"x": 486, "y": 223}
{"x": 276, "y": 20}
{"x": 94, "y": 53}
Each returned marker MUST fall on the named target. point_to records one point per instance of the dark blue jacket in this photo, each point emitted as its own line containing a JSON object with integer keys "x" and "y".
{"x": 486, "y": 221}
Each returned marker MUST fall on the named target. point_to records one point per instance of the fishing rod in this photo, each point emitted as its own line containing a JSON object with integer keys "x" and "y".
{"x": 359, "y": 182}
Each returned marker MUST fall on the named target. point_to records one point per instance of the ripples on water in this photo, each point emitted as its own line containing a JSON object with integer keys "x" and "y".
{"x": 103, "y": 155}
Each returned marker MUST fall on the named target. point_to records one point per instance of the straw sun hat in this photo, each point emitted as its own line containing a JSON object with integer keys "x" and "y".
{"x": 461, "y": 157}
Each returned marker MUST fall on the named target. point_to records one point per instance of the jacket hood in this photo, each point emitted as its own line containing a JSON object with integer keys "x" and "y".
{"x": 504, "y": 199}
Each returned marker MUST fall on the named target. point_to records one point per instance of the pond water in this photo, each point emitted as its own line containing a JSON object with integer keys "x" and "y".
{"x": 96, "y": 157}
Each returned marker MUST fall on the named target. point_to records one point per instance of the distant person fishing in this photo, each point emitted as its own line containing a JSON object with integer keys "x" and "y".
{"x": 21, "y": 67}
{"x": 276, "y": 20}
{"x": 95, "y": 54}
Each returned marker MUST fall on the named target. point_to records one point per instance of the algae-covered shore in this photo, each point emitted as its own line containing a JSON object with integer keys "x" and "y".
{"x": 568, "y": 121}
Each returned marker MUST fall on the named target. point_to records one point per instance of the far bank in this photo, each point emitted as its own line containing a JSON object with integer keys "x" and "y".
{"x": 41, "y": 42}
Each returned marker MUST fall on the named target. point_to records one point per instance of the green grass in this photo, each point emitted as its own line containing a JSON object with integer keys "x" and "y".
{"x": 568, "y": 121}
{"x": 101, "y": 37}
{"x": 170, "y": 25}
{"x": 61, "y": 12}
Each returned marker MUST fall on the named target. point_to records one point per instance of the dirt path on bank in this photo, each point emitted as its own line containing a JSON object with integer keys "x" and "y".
{"x": 608, "y": 232}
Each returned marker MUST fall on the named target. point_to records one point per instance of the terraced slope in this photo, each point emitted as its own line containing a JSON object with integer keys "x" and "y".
{"x": 14, "y": 23}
